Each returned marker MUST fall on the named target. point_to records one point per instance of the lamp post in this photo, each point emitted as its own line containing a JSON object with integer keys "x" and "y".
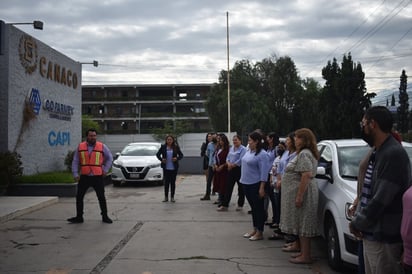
{"x": 94, "y": 63}
{"x": 228, "y": 76}
{"x": 36, "y": 24}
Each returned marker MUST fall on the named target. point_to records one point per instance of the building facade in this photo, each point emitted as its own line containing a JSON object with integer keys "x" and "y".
{"x": 40, "y": 101}
{"x": 139, "y": 109}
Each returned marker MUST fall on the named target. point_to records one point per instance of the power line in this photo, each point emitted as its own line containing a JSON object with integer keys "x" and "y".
{"x": 378, "y": 26}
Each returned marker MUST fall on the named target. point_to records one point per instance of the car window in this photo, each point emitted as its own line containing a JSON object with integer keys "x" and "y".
{"x": 349, "y": 159}
{"x": 137, "y": 150}
{"x": 325, "y": 156}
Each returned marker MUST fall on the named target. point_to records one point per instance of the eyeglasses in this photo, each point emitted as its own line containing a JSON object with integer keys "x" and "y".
{"x": 362, "y": 124}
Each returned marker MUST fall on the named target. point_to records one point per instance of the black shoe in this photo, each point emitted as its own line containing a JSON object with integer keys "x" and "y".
{"x": 205, "y": 198}
{"x": 275, "y": 236}
{"x": 106, "y": 219}
{"x": 75, "y": 220}
{"x": 249, "y": 212}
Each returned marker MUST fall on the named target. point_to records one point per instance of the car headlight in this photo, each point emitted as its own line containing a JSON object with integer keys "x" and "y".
{"x": 154, "y": 165}
{"x": 349, "y": 211}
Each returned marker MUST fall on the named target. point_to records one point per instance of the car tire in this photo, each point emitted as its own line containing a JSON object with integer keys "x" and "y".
{"x": 160, "y": 183}
{"x": 116, "y": 183}
{"x": 332, "y": 237}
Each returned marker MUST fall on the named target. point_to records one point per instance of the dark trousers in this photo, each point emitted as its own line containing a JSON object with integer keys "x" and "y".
{"x": 276, "y": 207}
{"x": 84, "y": 183}
{"x": 170, "y": 180}
{"x": 361, "y": 261}
{"x": 257, "y": 205}
{"x": 407, "y": 269}
{"x": 209, "y": 181}
{"x": 233, "y": 177}
{"x": 270, "y": 197}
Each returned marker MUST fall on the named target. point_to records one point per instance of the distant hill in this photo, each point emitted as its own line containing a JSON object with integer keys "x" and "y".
{"x": 386, "y": 96}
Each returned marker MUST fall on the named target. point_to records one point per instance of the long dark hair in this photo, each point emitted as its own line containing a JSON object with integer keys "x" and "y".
{"x": 174, "y": 145}
{"x": 275, "y": 137}
{"x": 291, "y": 136}
{"x": 257, "y": 137}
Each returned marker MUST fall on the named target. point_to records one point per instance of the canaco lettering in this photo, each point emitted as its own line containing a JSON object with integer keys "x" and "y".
{"x": 58, "y": 74}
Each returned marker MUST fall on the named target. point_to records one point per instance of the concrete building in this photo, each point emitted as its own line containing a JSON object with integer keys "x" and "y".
{"x": 40, "y": 101}
{"x": 138, "y": 109}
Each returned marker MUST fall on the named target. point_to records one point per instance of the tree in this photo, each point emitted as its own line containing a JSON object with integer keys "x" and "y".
{"x": 268, "y": 95}
{"x": 403, "y": 109}
{"x": 177, "y": 129}
{"x": 88, "y": 123}
{"x": 344, "y": 98}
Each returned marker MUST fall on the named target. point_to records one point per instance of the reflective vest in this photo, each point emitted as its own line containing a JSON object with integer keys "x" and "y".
{"x": 91, "y": 163}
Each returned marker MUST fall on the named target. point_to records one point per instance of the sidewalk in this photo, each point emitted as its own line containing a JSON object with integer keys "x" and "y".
{"x": 15, "y": 206}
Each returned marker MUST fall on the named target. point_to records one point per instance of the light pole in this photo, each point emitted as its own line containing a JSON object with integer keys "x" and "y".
{"x": 94, "y": 63}
{"x": 228, "y": 75}
{"x": 36, "y": 24}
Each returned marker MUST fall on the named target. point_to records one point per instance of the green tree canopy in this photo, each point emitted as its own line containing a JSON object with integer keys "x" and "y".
{"x": 344, "y": 98}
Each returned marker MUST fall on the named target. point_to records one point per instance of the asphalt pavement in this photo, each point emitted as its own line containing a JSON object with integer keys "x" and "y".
{"x": 147, "y": 236}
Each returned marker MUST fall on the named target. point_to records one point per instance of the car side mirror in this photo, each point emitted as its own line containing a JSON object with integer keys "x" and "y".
{"x": 322, "y": 174}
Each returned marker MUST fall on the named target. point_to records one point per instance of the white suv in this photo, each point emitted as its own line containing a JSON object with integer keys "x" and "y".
{"x": 337, "y": 181}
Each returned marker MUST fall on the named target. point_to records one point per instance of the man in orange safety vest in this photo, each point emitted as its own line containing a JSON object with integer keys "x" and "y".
{"x": 91, "y": 162}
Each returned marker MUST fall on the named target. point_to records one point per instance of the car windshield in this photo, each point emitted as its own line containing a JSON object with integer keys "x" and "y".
{"x": 140, "y": 150}
{"x": 349, "y": 159}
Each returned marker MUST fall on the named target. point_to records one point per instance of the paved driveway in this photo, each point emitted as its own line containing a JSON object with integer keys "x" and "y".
{"x": 147, "y": 236}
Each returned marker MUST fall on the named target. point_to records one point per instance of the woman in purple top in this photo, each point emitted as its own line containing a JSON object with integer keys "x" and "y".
{"x": 254, "y": 172}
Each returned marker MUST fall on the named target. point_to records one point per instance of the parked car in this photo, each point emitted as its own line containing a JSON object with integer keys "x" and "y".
{"x": 137, "y": 163}
{"x": 337, "y": 181}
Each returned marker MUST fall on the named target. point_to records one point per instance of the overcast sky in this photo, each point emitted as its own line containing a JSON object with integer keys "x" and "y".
{"x": 184, "y": 41}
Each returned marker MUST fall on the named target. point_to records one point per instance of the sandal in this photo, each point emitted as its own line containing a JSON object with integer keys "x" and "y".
{"x": 290, "y": 249}
{"x": 256, "y": 238}
{"x": 248, "y": 235}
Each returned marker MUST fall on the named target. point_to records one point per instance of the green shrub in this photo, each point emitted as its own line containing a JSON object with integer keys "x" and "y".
{"x": 56, "y": 177}
{"x": 68, "y": 160}
{"x": 10, "y": 168}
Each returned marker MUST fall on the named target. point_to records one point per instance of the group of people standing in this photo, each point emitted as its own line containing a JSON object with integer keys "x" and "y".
{"x": 268, "y": 171}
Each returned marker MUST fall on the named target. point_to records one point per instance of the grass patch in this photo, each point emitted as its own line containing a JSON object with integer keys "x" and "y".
{"x": 57, "y": 177}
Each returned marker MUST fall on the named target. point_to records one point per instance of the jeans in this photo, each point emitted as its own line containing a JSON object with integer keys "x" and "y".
{"x": 170, "y": 179}
{"x": 257, "y": 205}
{"x": 84, "y": 183}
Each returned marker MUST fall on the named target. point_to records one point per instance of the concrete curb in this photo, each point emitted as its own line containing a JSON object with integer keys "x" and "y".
{"x": 13, "y": 207}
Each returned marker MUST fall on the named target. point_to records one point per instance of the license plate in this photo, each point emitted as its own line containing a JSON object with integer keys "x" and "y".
{"x": 134, "y": 175}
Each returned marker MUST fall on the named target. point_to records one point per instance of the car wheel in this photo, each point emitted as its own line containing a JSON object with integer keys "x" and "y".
{"x": 160, "y": 183}
{"x": 116, "y": 183}
{"x": 334, "y": 258}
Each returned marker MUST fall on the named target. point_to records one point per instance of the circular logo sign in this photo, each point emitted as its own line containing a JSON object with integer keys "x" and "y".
{"x": 28, "y": 53}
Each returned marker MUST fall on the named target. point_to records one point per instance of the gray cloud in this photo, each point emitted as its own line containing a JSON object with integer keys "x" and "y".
{"x": 184, "y": 41}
